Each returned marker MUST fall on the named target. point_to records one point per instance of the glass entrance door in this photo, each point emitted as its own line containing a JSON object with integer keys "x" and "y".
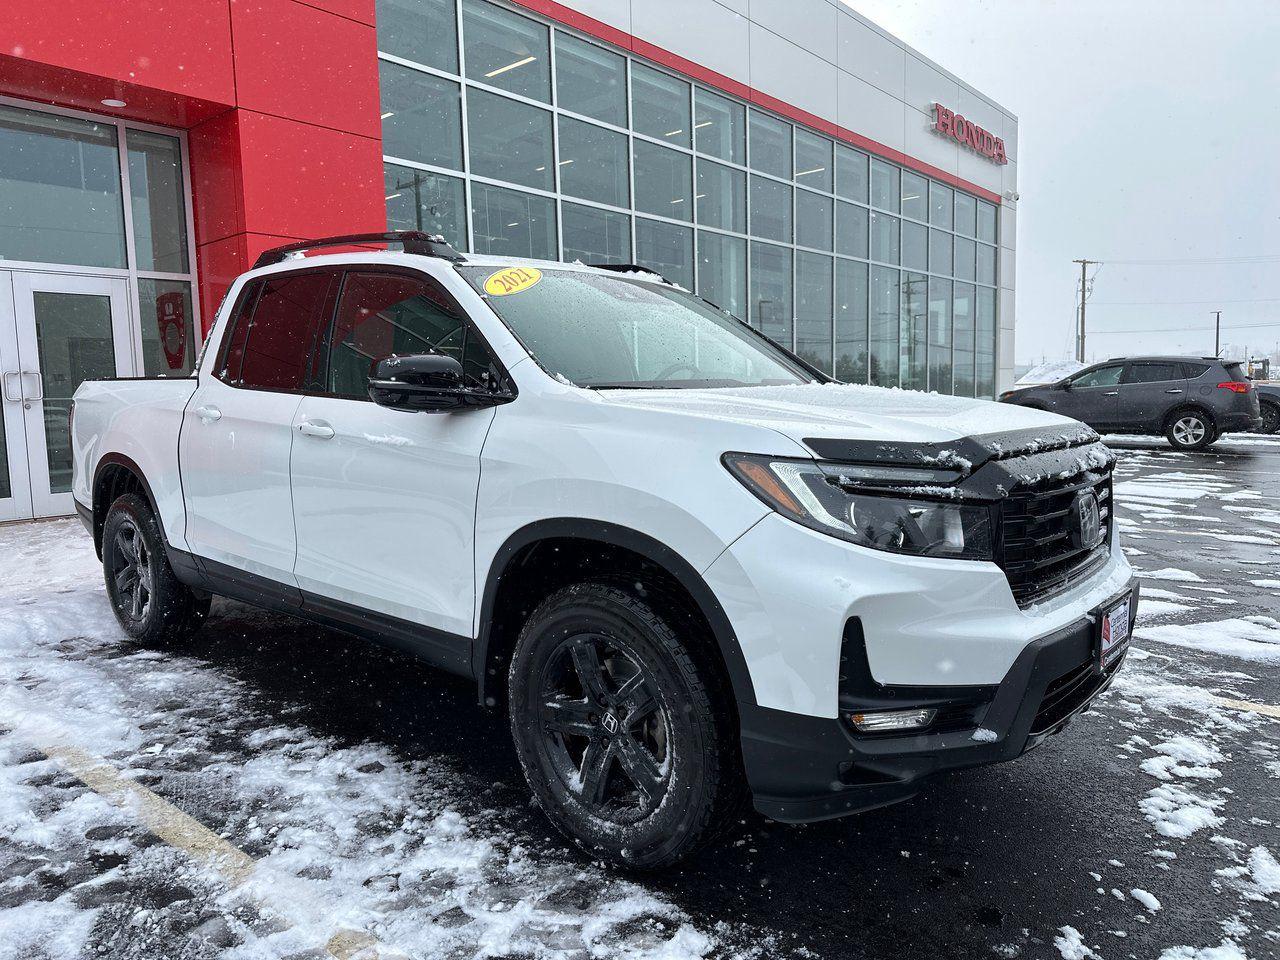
{"x": 69, "y": 329}
{"x": 15, "y": 491}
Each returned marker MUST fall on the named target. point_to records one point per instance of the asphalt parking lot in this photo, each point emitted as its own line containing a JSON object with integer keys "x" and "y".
{"x": 278, "y": 790}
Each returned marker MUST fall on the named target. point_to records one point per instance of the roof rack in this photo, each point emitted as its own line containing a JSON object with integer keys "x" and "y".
{"x": 413, "y": 241}
{"x": 628, "y": 268}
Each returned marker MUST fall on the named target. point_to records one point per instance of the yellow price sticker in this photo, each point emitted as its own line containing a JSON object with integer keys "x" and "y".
{"x": 512, "y": 280}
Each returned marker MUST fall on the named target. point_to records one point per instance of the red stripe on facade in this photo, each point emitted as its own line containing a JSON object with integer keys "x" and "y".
{"x": 695, "y": 71}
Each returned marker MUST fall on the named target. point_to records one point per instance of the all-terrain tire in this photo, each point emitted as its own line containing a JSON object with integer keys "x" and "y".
{"x": 1270, "y": 418}
{"x": 152, "y": 605}
{"x": 691, "y": 767}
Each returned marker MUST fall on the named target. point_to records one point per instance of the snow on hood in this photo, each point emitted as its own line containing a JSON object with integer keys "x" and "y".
{"x": 1049, "y": 372}
{"x": 847, "y": 411}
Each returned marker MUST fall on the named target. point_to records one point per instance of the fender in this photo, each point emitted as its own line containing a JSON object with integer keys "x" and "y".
{"x": 644, "y": 545}
{"x": 184, "y": 564}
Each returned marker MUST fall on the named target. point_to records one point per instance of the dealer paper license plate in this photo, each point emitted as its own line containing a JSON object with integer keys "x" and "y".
{"x": 1115, "y": 633}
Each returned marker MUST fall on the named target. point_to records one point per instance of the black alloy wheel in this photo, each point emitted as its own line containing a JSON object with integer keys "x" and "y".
{"x": 624, "y": 727}
{"x": 1270, "y": 418}
{"x": 131, "y": 575}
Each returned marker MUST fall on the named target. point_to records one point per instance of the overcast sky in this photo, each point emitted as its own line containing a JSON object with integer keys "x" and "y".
{"x": 1147, "y": 131}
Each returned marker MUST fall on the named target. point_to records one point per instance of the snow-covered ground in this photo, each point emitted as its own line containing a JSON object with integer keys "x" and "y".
{"x": 311, "y": 839}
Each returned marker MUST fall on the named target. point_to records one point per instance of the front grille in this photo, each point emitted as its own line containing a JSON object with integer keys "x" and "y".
{"x": 1037, "y": 551}
{"x": 1065, "y": 695}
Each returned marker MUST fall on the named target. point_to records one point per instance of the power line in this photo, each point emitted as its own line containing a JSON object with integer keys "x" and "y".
{"x": 1251, "y": 258}
{"x": 1240, "y": 326}
{"x": 1177, "y": 303}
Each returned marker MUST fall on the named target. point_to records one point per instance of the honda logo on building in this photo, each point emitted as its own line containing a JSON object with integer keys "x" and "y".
{"x": 951, "y": 124}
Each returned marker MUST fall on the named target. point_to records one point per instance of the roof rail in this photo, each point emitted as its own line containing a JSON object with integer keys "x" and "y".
{"x": 628, "y": 268}
{"x": 413, "y": 241}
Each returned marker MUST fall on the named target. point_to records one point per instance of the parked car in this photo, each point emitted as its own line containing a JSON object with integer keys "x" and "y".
{"x": 1191, "y": 400}
{"x": 694, "y": 570}
{"x": 1269, "y": 399}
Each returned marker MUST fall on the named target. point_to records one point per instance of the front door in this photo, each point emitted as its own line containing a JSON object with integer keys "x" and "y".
{"x": 1093, "y": 397}
{"x": 56, "y": 331}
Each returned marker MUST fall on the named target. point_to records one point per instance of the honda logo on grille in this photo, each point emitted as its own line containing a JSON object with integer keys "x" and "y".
{"x": 1086, "y": 525}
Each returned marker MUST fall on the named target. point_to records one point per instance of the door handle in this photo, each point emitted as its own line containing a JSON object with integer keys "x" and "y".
{"x": 1173, "y": 391}
{"x": 39, "y": 383}
{"x": 208, "y": 414}
{"x": 316, "y": 428}
{"x": 7, "y": 395}
{"x": 1112, "y": 393}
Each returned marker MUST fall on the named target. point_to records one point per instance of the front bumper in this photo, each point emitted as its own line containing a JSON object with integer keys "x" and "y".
{"x": 804, "y": 768}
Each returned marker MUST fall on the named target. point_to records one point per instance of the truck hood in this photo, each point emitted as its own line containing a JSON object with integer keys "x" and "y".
{"x": 807, "y": 412}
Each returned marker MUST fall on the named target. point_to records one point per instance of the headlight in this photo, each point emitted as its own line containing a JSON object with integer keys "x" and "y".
{"x": 818, "y": 496}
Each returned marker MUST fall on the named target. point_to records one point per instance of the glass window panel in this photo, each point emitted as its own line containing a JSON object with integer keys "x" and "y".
{"x": 964, "y": 258}
{"x": 913, "y": 331}
{"x": 966, "y": 214}
{"x": 722, "y": 196}
{"x": 851, "y": 321}
{"x": 940, "y": 335}
{"x": 851, "y": 230}
{"x": 770, "y": 145}
{"x": 771, "y": 309}
{"x": 595, "y": 236}
{"x": 986, "y": 271}
{"x": 915, "y": 245}
{"x": 986, "y": 221}
{"x": 885, "y": 189}
{"x": 962, "y": 328}
{"x": 421, "y": 116}
{"x": 422, "y": 30}
{"x": 813, "y": 161}
{"x": 813, "y": 309}
{"x": 73, "y": 344}
{"x": 940, "y": 205}
{"x": 506, "y": 50}
{"x": 883, "y": 322}
{"x": 593, "y": 163}
{"x": 430, "y": 202}
{"x": 939, "y": 251}
{"x": 169, "y": 341}
{"x": 591, "y": 80}
{"x": 986, "y": 342}
{"x": 851, "y": 174}
{"x": 663, "y": 181}
{"x": 158, "y": 199}
{"x": 719, "y": 126}
{"x": 884, "y": 237}
{"x": 813, "y": 220}
{"x": 509, "y": 140}
{"x": 770, "y": 209}
{"x": 660, "y": 106}
{"x": 722, "y": 272}
{"x": 60, "y": 196}
{"x": 288, "y": 314}
{"x": 915, "y": 196}
{"x": 666, "y": 248}
{"x": 513, "y": 224}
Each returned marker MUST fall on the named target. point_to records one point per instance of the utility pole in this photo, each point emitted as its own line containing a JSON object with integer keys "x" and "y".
{"x": 1084, "y": 264}
{"x": 1217, "y": 332}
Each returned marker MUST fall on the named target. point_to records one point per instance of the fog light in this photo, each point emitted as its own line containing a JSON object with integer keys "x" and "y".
{"x": 887, "y": 720}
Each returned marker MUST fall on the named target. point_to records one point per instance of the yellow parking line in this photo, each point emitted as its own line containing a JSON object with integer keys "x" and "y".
{"x": 1266, "y": 709}
{"x": 185, "y": 833}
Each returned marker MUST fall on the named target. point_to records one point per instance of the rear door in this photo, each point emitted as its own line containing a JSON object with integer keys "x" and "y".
{"x": 1093, "y": 395}
{"x": 1149, "y": 389}
{"x": 384, "y": 500}
{"x": 237, "y": 429}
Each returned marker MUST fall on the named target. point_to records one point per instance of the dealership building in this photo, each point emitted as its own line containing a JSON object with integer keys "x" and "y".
{"x": 787, "y": 159}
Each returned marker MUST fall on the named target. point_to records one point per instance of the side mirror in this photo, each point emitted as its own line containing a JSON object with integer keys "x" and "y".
{"x": 425, "y": 381}
{"x": 1065, "y": 385}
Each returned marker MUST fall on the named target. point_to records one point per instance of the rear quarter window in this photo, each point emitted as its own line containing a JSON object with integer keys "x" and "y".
{"x": 1194, "y": 370}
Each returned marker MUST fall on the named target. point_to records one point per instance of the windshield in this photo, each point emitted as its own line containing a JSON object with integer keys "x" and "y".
{"x": 603, "y": 331}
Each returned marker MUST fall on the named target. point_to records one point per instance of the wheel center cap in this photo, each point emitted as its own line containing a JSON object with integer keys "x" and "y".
{"x": 610, "y": 724}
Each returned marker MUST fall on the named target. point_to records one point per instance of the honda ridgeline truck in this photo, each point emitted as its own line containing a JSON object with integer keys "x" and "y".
{"x": 695, "y": 571}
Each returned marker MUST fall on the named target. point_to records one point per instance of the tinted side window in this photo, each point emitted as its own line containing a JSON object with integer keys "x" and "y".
{"x": 237, "y": 331}
{"x": 1153, "y": 372}
{"x": 1193, "y": 370}
{"x": 1102, "y": 377}
{"x": 282, "y": 330}
{"x": 383, "y": 314}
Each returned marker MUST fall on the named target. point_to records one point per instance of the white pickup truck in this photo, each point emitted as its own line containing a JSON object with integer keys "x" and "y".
{"x": 693, "y": 570}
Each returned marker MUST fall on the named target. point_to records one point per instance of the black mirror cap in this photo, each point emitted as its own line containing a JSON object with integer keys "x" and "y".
{"x": 426, "y": 381}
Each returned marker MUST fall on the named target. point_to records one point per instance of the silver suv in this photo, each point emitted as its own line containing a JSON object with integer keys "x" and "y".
{"x": 1191, "y": 400}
